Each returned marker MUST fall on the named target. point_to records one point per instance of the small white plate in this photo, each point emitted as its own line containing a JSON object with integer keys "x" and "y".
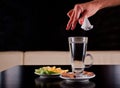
{"x": 48, "y": 76}
{"x": 81, "y": 78}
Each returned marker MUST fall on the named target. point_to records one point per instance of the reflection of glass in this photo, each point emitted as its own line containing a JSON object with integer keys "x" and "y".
{"x": 88, "y": 84}
{"x": 47, "y": 83}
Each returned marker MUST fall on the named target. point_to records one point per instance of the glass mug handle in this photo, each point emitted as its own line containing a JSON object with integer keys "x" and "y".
{"x": 91, "y": 60}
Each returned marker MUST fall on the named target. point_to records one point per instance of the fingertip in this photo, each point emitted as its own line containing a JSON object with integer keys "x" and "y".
{"x": 67, "y": 28}
{"x": 73, "y": 27}
{"x": 81, "y": 21}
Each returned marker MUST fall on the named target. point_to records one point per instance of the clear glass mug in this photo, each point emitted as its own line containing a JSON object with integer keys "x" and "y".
{"x": 78, "y": 48}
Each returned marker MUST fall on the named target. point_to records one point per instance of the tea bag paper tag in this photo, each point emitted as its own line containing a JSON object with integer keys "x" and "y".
{"x": 86, "y": 25}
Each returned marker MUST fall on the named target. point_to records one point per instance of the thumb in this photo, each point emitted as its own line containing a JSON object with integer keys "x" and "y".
{"x": 81, "y": 19}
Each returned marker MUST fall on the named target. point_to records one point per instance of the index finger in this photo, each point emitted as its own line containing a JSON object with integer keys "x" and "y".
{"x": 70, "y": 13}
{"x": 69, "y": 24}
{"x": 77, "y": 12}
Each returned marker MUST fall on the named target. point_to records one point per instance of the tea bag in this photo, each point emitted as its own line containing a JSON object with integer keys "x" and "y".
{"x": 86, "y": 25}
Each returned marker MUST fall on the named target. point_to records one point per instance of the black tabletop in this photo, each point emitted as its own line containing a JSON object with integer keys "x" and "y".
{"x": 22, "y": 76}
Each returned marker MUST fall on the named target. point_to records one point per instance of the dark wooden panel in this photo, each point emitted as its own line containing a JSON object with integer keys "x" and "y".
{"x": 33, "y": 25}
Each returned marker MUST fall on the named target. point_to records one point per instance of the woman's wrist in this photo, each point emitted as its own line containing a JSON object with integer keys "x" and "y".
{"x": 106, "y": 3}
{"x": 97, "y": 4}
{"x": 100, "y": 3}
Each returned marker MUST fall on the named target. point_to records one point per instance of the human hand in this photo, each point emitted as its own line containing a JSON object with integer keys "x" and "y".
{"x": 79, "y": 12}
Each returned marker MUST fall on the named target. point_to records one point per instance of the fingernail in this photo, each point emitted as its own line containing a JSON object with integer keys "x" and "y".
{"x": 81, "y": 22}
{"x": 72, "y": 28}
{"x": 67, "y": 28}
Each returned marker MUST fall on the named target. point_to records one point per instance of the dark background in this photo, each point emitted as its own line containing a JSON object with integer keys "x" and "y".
{"x": 40, "y": 25}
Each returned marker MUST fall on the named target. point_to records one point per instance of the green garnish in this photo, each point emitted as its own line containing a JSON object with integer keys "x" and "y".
{"x": 49, "y": 70}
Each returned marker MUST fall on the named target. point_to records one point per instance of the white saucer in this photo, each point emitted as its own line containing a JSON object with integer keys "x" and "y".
{"x": 81, "y": 78}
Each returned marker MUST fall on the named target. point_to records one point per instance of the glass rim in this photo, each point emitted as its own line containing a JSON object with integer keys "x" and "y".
{"x": 84, "y": 37}
{"x": 78, "y": 39}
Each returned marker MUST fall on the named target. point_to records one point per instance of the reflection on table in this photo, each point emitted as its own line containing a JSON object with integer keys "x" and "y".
{"x": 58, "y": 83}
